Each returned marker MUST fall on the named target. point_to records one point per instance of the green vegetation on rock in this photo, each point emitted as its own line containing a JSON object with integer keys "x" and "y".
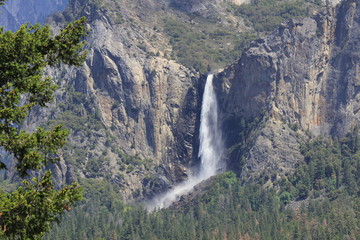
{"x": 205, "y": 43}
{"x": 202, "y": 46}
{"x": 265, "y": 15}
{"x": 331, "y": 169}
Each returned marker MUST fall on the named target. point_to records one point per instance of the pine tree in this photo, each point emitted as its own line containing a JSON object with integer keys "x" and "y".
{"x": 28, "y": 212}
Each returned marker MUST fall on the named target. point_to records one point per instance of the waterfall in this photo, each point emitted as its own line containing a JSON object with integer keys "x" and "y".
{"x": 211, "y": 145}
{"x": 210, "y": 151}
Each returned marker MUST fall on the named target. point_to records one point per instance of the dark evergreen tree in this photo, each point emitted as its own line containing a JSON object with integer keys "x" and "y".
{"x": 28, "y": 212}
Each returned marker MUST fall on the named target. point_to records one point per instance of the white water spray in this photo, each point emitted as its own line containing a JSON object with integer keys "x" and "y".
{"x": 210, "y": 152}
{"x": 211, "y": 144}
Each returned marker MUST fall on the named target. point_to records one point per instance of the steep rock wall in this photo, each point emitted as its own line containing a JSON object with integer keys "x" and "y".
{"x": 17, "y": 12}
{"x": 304, "y": 75}
{"x": 131, "y": 110}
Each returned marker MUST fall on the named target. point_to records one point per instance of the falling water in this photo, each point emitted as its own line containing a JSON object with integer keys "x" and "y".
{"x": 211, "y": 145}
{"x": 210, "y": 151}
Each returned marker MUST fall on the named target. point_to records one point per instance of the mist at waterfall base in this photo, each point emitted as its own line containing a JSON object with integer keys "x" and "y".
{"x": 210, "y": 151}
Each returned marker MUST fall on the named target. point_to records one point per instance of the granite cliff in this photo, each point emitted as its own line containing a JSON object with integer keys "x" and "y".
{"x": 132, "y": 111}
{"x": 301, "y": 81}
{"x": 145, "y": 105}
{"x": 133, "y": 108}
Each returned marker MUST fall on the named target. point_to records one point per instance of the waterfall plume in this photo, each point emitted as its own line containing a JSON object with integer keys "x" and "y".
{"x": 210, "y": 151}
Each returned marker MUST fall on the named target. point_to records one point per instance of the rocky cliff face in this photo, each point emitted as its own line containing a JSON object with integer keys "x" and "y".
{"x": 17, "y": 12}
{"x": 302, "y": 78}
{"x": 332, "y": 2}
{"x": 132, "y": 111}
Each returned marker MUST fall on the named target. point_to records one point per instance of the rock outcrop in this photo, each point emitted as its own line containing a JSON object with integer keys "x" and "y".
{"x": 301, "y": 78}
{"x": 18, "y": 12}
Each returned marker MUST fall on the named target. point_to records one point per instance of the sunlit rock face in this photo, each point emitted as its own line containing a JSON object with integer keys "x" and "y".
{"x": 332, "y": 2}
